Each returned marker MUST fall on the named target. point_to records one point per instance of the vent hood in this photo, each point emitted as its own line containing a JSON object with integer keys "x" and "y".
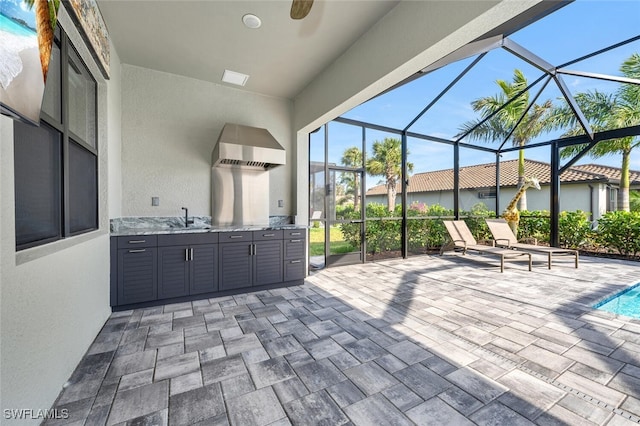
{"x": 244, "y": 146}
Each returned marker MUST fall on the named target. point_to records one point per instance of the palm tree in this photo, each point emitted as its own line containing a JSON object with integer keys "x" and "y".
{"x": 606, "y": 111}
{"x": 387, "y": 162}
{"x": 497, "y": 128}
{"x": 352, "y": 157}
{"x": 46, "y": 18}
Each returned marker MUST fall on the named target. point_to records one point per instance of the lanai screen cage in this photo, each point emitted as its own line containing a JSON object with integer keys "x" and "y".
{"x": 572, "y": 106}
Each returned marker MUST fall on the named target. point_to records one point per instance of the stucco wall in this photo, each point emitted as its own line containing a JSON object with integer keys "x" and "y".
{"x": 169, "y": 127}
{"x": 55, "y": 298}
{"x": 114, "y": 134}
{"x": 572, "y": 197}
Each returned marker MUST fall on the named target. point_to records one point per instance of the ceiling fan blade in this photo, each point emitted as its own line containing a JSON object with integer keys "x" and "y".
{"x": 300, "y": 8}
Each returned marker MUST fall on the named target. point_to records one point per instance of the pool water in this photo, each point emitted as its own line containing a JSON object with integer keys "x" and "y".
{"x": 627, "y": 302}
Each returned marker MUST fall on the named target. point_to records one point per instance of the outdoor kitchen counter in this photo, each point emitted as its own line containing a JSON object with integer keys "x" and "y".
{"x": 166, "y": 262}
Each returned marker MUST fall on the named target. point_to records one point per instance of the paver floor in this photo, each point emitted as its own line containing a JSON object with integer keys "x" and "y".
{"x": 431, "y": 340}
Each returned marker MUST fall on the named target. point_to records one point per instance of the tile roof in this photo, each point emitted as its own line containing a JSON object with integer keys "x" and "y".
{"x": 484, "y": 176}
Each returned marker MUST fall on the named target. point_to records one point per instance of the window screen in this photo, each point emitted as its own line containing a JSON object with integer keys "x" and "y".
{"x": 83, "y": 189}
{"x": 37, "y": 159}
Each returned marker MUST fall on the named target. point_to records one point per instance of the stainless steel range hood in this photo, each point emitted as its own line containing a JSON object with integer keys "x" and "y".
{"x": 240, "y": 164}
{"x": 250, "y": 147}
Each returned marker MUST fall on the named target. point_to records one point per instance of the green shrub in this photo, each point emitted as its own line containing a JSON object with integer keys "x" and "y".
{"x": 475, "y": 219}
{"x": 620, "y": 231}
{"x": 534, "y": 224}
{"x": 351, "y": 231}
{"x": 634, "y": 201}
{"x": 574, "y": 229}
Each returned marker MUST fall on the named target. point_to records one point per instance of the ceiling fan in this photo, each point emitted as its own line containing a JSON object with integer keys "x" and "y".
{"x": 300, "y": 8}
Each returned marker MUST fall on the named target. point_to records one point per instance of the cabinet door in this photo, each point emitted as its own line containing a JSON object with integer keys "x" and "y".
{"x": 294, "y": 248}
{"x": 235, "y": 265}
{"x": 267, "y": 262}
{"x": 294, "y": 269}
{"x": 173, "y": 276}
{"x": 137, "y": 274}
{"x": 204, "y": 269}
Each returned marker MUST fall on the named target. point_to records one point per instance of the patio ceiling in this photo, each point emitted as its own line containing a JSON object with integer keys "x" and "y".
{"x": 200, "y": 39}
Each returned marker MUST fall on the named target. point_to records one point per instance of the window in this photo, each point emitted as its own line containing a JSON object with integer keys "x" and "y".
{"x": 56, "y": 164}
{"x": 612, "y": 204}
{"x": 490, "y": 193}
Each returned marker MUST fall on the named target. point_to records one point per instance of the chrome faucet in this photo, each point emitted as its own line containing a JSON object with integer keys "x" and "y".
{"x": 187, "y": 221}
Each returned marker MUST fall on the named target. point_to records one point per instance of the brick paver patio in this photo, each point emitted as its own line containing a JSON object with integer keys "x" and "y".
{"x": 427, "y": 340}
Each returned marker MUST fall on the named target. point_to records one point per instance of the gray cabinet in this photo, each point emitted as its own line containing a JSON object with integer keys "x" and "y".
{"x": 267, "y": 262}
{"x": 250, "y": 258}
{"x": 187, "y": 269}
{"x": 173, "y": 271}
{"x": 236, "y": 269}
{"x": 268, "y": 253}
{"x": 295, "y": 244}
{"x": 136, "y": 270}
{"x": 203, "y": 269}
{"x": 154, "y": 269}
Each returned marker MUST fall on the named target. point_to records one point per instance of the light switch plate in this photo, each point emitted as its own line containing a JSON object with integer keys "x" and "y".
{"x": 155, "y": 201}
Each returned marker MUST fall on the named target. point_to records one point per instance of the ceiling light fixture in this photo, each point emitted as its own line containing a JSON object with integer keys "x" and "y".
{"x": 236, "y": 78}
{"x": 251, "y": 21}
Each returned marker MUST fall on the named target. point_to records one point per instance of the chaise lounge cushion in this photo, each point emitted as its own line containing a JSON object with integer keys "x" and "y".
{"x": 463, "y": 239}
{"x": 503, "y": 237}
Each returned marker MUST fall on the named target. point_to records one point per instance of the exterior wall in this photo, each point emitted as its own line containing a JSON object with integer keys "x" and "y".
{"x": 114, "y": 119}
{"x": 170, "y": 125}
{"x": 602, "y": 201}
{"x": 54, "y": 299}
{"x": 572, "y": 197}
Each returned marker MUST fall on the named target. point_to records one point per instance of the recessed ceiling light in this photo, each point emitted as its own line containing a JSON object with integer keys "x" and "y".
{"x": 251, "y": 21}
{"x": 233, "y": 77}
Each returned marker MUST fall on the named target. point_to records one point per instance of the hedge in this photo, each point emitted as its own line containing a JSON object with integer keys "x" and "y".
{"x": 616, "y": 231}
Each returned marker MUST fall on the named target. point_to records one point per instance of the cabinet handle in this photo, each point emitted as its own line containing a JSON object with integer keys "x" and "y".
{"x": 294, "y": 233}
{"x": 296, "y": 261}
{"x": 190, "y": 254}
{"x": 268, "y": 235}
{"x": 295, "y": 241}
{"x": 137, "y": 251}
{"x": 137, "y": 241}
{"x": 186, "y": 255}
{"x": 254, "y": 249}
{"x": 235, "y": 236}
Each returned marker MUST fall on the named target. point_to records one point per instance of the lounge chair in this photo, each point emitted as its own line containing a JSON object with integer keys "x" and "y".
{"x": 463, "y": 240}
{"x": 503, "y": 237}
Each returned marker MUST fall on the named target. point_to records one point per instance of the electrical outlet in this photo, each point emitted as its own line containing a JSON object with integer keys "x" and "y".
{"x": 155, "y": 201}
{"x": 280, "y": 203}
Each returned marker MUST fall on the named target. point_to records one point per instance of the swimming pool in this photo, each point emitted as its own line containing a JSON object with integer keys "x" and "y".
{"x": 626, "y": 302}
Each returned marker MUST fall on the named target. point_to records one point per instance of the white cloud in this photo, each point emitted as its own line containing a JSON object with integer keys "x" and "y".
{"x": 23, "y": 5}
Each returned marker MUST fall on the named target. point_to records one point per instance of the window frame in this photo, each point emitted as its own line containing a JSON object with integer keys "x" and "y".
{"x": 68, "y": 137}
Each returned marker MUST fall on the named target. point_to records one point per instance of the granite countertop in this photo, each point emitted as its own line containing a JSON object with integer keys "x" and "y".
{"x": 196, "y": 229}
{"x": 175, "y": 225}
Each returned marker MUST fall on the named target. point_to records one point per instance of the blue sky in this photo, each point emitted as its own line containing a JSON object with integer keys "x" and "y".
{"x": 18, "y": 9}
{"x": 577, "y": 29}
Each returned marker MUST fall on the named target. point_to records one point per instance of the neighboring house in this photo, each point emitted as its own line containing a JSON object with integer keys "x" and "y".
{"x": 592, "y": 188}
